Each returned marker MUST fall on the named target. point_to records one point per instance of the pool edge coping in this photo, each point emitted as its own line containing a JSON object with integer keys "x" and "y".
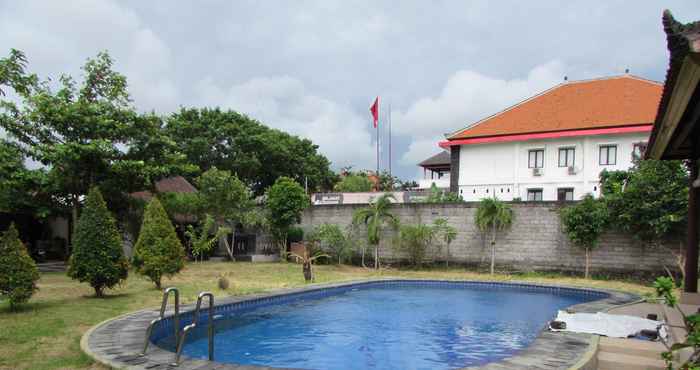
{"x": 155, "y": 359}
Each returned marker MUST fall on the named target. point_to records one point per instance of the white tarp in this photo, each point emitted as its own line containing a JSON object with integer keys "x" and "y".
{"x": 618, "y": 326}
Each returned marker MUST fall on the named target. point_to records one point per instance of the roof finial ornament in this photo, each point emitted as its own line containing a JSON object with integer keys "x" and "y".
{"x": 566, "y": 78}
{"x": 627, "y": 71}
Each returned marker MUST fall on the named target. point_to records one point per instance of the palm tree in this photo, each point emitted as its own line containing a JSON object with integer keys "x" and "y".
{"x": 377, "y": 218}
{"x": 493, "y": 215}
{"x": 448, "y": 233}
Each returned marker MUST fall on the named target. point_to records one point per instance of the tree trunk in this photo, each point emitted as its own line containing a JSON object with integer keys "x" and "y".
{"x": 99, "y": 292}
{"x": 588, "y": 261}
{"x": 363, "y": 257}
{"x": 74, "y": 217}
{"x": 308, "y": 275}
{"x": 157, "y": 283}
{"x": 376, "y": 257}
{"x": 229, "y": 247}
{"x": 447, "y": 261}
{"x": 493, "y": 250}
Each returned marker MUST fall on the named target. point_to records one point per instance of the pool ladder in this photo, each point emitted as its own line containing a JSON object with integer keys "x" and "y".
{"x": 176, "y": 317}
{"x": 195, "y": 321}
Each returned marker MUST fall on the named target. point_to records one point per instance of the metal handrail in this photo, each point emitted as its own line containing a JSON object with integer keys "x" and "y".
{"x": 195, "y": 320}
{"x": 176, "y": 317}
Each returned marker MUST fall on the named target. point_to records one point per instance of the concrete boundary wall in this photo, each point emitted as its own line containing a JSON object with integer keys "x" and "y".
{"x": 534, "y": 242}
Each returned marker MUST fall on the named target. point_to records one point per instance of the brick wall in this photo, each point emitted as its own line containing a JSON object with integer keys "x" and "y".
{"x": 535, "y": 240}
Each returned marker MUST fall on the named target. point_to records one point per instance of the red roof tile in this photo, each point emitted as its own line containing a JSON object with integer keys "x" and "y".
{"x": 607, "y": 102}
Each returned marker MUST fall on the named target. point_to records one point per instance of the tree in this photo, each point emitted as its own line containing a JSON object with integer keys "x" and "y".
{"x": 584, "y": 222}
{"x": 377, "y": 218}
{"x": 649, "y": 201}
{"x": 286, "y": 200}
{"x": 79, "y": 131}
{"x": 158, "y": 250}
{"x": 97, "y": 258}
{"x": 227, "y": 199}
{"x": 203, "y": 240}
{"x": 18, "y": 274}
{"x": 307, "y": 260}
{"x": 448, "y": 234}
{"x": 652, "y": 203}
{"x": 493, "y": 215}
{"x": 665, "y": 287}
{"x": 353, "y": 183}
{"x": 415, "y": 240}
{"x": 21, "y": 189}
{"x": 258, "y": 154}
{"x": 13, "y": 73}
{"x": 332, "y": 238}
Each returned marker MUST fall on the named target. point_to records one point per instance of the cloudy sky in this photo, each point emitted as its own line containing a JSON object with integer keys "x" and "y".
{"x": 312, "y": 68}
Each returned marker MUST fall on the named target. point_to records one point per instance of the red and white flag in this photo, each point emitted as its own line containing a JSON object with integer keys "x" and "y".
{"x": 375, "y": 111}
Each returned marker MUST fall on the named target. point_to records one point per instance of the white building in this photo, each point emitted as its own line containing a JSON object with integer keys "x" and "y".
{"x": 554, "y": 145}
{"x": 436, "y": 171}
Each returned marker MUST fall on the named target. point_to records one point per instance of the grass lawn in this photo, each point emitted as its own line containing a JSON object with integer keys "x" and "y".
{"x": 46, "y": 333}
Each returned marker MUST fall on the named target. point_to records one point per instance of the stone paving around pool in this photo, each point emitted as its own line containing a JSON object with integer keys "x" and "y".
{"x": 118, "y": 342}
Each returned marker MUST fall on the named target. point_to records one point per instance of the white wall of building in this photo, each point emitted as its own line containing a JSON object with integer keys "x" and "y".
{"x": 502, "y": 168}
{"x": 442, "y": 182}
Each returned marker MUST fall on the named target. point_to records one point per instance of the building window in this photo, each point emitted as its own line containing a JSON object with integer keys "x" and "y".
{"x": 567, "y": 157}
{"x": 565, "y": 194}
{"x": 535, "y": 158}
{"x": 534, "y": 195}
{"x": 607, "y": 155}
{"x": 638, "y": 150}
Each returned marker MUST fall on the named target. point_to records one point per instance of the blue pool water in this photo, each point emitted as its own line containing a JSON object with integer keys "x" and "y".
{"x": 385, "y": 327}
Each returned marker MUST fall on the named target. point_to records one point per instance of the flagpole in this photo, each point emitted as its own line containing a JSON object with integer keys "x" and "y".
{"x": 377, "y": 127}
{"x": 389, "y": 138}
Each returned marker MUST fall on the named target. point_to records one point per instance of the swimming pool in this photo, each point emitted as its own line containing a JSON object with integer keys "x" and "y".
{"x": 381, "y": 325}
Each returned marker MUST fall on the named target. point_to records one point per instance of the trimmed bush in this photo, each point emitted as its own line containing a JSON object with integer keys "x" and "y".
{"x": 18, "y": 272}
{"x": 158, "y": 251}
{"x": 584, "y": 222}
{"x": 98, "y": 258}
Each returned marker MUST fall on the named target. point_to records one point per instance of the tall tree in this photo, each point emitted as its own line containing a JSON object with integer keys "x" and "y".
{"x": 98, "y": 257}
{"x": 493, "y": 215}
{"x": 286, "y": 200}
{"x": 257, "y": 154}
{"x": 377, "y": 217}
{"x": 81, "y": 132}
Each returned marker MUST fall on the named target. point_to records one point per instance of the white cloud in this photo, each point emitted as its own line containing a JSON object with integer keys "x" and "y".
{"x": 467, "y": 97}
{"x": 58, "y": 36}
{"x": 284, "y": 103}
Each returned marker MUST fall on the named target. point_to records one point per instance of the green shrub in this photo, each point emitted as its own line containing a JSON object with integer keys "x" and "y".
{"x": 98, "y": 257}
{"x": 354, "y": 183}
{"x": 158, "y": 251}
{"x": 333, "y": 240}
{"x": 415, "y": 240}
{"x": 437, "y": 195}
{"x": 18, "y": 272}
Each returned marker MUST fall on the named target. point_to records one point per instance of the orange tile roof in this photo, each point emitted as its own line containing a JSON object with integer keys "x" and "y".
{"x": 607, "y": 102}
